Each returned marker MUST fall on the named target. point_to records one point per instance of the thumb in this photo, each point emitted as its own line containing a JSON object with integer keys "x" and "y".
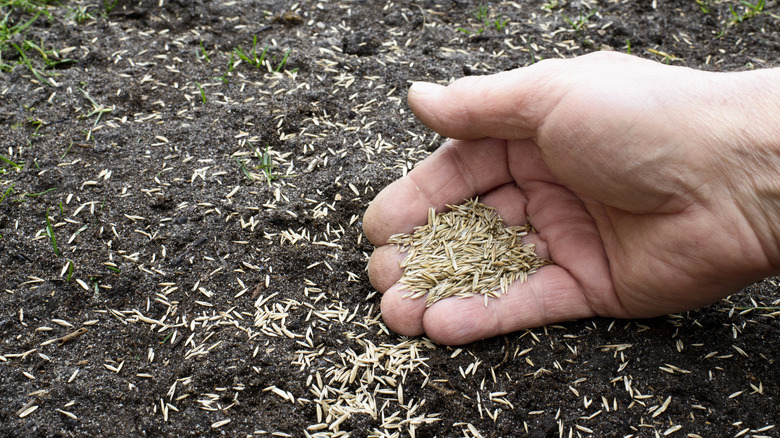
{"x": 508, "y": 105}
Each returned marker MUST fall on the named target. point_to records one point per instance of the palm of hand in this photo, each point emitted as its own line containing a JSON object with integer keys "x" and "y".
{"x": 607, "y": 260}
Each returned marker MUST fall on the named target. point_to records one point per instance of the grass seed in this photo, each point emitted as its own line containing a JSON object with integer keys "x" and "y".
{"x": 463, "y": 252}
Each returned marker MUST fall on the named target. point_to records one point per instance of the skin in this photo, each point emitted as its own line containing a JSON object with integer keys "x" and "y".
{"x": 654, "y": 189}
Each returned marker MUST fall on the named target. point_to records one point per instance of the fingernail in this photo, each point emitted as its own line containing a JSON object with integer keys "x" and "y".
{"x": 423, "y": 88}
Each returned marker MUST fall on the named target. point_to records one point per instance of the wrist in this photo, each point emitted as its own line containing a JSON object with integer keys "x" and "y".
{"x": 753, "y": 158}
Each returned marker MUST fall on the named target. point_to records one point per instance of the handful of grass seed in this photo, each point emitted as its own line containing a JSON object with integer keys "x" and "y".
{"x": 465, "y": 251}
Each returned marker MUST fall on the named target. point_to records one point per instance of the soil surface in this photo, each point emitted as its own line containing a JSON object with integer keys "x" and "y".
{"x": 181, "y": 243}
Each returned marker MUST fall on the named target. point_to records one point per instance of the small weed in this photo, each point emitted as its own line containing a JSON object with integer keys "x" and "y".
{"x": 168, "y": 336}
{"x": 579, "y": 23}
{"x": 114, "y": 270}
{"x": 628, "y": 46}
{"x": 50, "y": 233}
{"x": 551, "y": 5}
{"x": 202, "y": 93}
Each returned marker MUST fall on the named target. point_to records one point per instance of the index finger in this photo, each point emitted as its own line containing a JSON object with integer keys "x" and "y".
{"x": 457, "y": 171}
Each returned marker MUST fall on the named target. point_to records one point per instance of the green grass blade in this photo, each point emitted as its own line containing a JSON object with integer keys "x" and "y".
{"x": 7, "y": 192}
{"x": 50, "y": 233}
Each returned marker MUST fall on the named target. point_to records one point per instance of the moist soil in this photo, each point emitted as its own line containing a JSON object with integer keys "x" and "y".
{"x": 182, "y": 252}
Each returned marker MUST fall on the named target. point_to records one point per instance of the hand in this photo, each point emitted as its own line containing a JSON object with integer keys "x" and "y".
{"x": 646, "y": 185}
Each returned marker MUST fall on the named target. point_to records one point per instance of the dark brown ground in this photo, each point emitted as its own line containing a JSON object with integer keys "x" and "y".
{"x": 173, "y": 246}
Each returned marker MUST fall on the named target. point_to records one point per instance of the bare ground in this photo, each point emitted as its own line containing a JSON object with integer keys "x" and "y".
{"x": 209, "y": 270}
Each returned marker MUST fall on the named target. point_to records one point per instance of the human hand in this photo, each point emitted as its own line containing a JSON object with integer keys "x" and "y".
{"x": 651, "y": 188}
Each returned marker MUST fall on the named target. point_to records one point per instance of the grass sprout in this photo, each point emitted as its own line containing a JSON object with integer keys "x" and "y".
{"x": 704, "y": 5}
{"x": 230, "y": 68}
{"x": 579, "y": 23}
{"x": 109, "y": 6}
{"x": 482, "y": 14}
{"x": 283, "y": 62}
{"x": 97, "y": 109}
{"x": 168, "y": 336}
{"x": 10, "y": 28}
{"x": 26, "y": 62}
{"x": 267, "y": 166}
{"x": 252, "y": 58}
{"x": 80, "y": 14}
{"x": 11, "y": 163}
{"x": 71, "y": 267}
{"x": 66, "y": 151}
{"x": 751, "y": 10}
{"x": 35, "y": 195}
{"x": 242, "y": 166}
{"x": 666, "y": 58}
{"x": 50, "y": 233}
{"x": 7, "y": 192}
{"x": 202, "y": 93}
{"x": 203, "y": 51}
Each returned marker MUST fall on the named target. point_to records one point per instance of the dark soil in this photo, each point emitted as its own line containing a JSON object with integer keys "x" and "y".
{"x": 208, "y": 230}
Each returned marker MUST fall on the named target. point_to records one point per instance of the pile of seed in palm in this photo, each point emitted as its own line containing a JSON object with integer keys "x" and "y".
{"x": 463, "y": 252}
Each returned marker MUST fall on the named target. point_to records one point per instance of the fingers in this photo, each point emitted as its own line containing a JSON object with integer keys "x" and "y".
{"x": 457, "y": 171}
{"x": 507, "y": 105}
{"x": 514, "y": 104}
{"x": 402, "y": 314}
{"x": 550, "y": 295}
{"x": 384, "y": 267}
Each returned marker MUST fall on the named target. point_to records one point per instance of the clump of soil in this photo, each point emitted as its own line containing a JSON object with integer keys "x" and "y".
{"x": 195, "y": 215}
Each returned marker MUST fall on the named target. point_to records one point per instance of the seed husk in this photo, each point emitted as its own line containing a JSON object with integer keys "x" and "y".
{"x": 465, "y": 251}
